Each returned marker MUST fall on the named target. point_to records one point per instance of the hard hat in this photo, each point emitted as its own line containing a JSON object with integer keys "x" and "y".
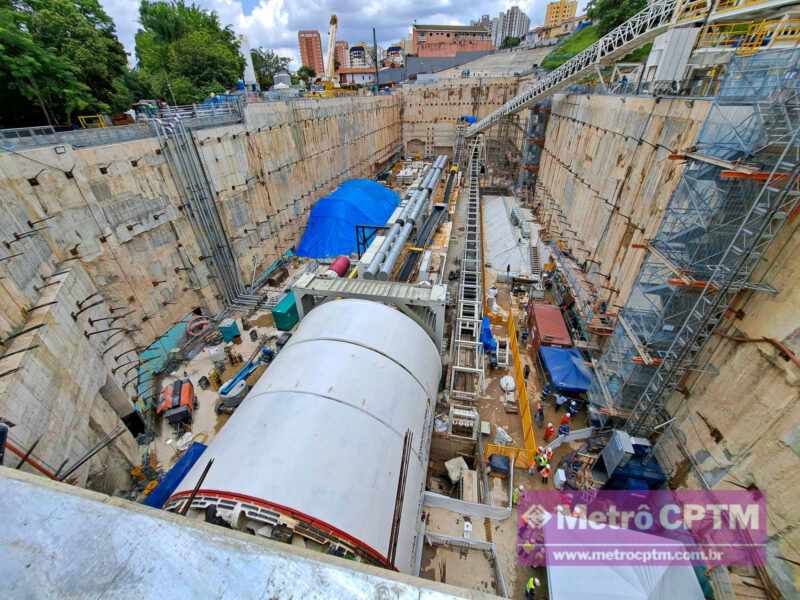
{"x": 536, "y": 580}
{"x": 549, "y": 424}
{"x": 521, "y": 487}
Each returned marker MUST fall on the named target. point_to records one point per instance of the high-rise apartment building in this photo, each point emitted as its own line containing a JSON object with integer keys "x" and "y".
{"x": 311, "y": 50}
{"x": 341, "y": 54}
{"x": 560, "y": 11}
{"x": 512, "y": 23}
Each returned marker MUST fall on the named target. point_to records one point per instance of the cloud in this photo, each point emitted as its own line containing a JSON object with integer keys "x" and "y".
{"x": 274, "y": 23}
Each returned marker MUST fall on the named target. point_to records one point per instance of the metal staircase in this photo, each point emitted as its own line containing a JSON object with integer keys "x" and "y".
{"x": 719, "y": 242}
{"x": 640, "y": 29}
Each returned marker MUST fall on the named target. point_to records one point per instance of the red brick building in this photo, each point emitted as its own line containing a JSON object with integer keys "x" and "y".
{"x": 341, "y": 55}
{"x": 311, "y": 50}
{"x": 449, "y": 40}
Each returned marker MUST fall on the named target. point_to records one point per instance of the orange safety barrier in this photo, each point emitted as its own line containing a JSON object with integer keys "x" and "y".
{"x": 528, "y": 435}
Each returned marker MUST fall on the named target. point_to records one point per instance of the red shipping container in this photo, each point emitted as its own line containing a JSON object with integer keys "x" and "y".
{"x": 547, "y": 327}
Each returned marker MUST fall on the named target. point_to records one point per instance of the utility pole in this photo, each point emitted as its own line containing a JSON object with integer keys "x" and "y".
{"x": 375, "y": 55}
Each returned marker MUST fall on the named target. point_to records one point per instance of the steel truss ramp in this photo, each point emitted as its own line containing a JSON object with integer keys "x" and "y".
{"x": 466, "y": 354}
{"x": 425, "y": 305}
{"x": 640, "y": 29}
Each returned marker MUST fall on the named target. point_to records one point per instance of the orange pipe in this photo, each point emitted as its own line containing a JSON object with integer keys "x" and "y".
{"x": 30, "y": 460}
{"x": 775, "y": 343}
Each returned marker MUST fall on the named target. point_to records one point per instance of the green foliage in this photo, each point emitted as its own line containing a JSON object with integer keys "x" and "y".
{"x": 570, "y": 46}
{"x": 639, "y": 55}
{"x": 184, "y": 52}
{"x": 59, "y": 57}
{"x": 607, "y": 14}
{"x": 510, "y": 42}
{"x": 306, "y": 73}
{"x": 266, "y": 63}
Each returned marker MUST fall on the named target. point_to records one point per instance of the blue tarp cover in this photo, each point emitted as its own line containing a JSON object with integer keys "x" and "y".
{"x": 487, "y": 339}
{"x": 565, "y": 369}
{"x": 331, "y": 228}
{"x": 174, "y": 476}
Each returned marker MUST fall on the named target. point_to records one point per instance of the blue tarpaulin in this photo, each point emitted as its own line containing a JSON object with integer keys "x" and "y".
{"x": 487, "y": 339}
{"x": 174, "y": 476}
{"x": 565, "y": 369}
{"x": 331, "y": 228}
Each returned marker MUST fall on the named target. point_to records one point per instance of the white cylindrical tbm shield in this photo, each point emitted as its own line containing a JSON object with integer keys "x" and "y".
{"x": 316, "y": 447}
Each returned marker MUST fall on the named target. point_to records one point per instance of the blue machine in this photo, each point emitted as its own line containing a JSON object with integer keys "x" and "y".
{"x": 627, "y": 463}
{"x": 235, "y": 389}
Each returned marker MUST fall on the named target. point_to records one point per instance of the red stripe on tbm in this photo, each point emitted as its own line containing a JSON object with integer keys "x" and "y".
{"x": 293, "y": 513}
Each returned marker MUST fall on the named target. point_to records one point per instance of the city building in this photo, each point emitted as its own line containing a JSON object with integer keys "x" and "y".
{"x": 311, "y": 50}
{"x": 282, "y": 78}
{"x": 511, "y": 23}
{"x": 394, "y": 55}
{"x": 361, "y": 55}
{"x": 485, "y": 21}
{"x": 560, "y": 11}
{"x": 356, "y": 75}
{"x": 448, "y": 40}
{"x": 342, "y": 56}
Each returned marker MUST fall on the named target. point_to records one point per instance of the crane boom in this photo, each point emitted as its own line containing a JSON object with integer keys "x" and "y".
{"x": 330, "y": 62}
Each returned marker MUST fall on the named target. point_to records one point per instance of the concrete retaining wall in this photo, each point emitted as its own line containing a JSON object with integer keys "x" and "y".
{"x": 605, "y": 164}
{"x": 111, "y": 219}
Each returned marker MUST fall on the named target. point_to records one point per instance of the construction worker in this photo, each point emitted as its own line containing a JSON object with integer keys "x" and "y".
{"x": 526, "y": 371}
{"x": 531, "y": 587}
{"x": 548, "y": 453}
{"x": 545, "y": 472}
{"x": 541, "y": 460}
{"x": 539, "y": 414}
{"x": 563, "y": 427}
{"x": 515, "y": 495}
{"x": 549, "y": 432}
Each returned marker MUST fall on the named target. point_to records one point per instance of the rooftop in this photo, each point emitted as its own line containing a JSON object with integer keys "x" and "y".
{"x": 469, "y": 28}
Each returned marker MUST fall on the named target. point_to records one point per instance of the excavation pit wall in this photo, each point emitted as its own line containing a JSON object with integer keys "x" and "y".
{"x": 736, "y": 418}
{"x": 116, "y": 218}
{"x": 605, "y": 178}
{"x": 431, "y": 112}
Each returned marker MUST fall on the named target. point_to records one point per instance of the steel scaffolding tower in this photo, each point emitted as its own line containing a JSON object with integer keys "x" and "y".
{"x": 739, "y": 186}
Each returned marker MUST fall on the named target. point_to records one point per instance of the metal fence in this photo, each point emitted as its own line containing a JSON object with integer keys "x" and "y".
{"x": 193, "y": 116}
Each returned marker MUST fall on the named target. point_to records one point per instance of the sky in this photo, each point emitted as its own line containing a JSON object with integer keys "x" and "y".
{"x": 274, "y": 23}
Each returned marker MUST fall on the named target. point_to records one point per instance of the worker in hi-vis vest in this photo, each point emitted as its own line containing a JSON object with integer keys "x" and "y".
{"x": 531, "y": 587}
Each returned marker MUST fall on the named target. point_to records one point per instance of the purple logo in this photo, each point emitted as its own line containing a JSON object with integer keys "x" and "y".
{"x": 633, "y": 528}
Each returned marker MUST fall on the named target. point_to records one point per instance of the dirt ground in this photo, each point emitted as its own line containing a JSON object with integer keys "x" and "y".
{"x": 206, "y": 423}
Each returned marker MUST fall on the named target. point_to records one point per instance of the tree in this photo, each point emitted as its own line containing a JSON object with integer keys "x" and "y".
{"x": 607, "y": 14}
{"x": 266, "y": 64}
{"x": 510, "y": 42}
{"x": 306, "y": 73}
{"x": 184, "y": 52}
{"x": 59, "y": 57}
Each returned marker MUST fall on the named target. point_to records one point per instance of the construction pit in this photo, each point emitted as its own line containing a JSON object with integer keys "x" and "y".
{"x": 372, "y": 420}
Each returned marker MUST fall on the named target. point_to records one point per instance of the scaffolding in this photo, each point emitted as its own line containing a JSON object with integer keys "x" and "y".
{"x": 533, "y": 144}
{"x": 739, "y": 186}
{"x": 466, "y": 362}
